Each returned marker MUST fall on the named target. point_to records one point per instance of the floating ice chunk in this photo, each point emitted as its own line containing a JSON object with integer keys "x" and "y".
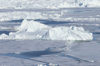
{"x": 35, "y": 30}
{"x": 3, "y": 36}
{"x": 69, "y": 33}
{"x": 31, "y": 26}
{"x": 39, "y": 34}
{"x": 47, "y": 64}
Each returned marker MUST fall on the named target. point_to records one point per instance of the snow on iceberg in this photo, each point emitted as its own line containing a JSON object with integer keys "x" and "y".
{"x": 69, "y": 33}
{"x": 35, "y": 30}
{"x": 31, "y": 26}
{"x": 3, "y": 36}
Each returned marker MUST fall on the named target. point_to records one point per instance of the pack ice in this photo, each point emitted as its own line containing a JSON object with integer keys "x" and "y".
{"x": 54, "y": 4}
{"x": 31, "y": 29}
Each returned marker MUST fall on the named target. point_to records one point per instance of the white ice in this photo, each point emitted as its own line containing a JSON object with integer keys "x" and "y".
{"x": 19, "y": 4}
{"x": 31, "y": 29}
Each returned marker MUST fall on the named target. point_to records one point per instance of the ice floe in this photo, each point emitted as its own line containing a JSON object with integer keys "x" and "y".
{"x": 31, "y": 29}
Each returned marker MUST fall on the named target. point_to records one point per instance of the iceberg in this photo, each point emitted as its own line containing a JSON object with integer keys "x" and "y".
{"x": 31, "y": 29}
{"x": 3, "y": 36}
{"x": 69, "y": 33}
{"x": 31, "y": 26}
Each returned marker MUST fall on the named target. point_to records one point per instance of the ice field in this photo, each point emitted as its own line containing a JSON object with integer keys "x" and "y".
{"x": 52, "y": 4}
{"x": 63, "y": 37}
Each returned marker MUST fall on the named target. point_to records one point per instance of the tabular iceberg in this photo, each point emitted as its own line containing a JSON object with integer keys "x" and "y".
{"x": 31, "y": 29}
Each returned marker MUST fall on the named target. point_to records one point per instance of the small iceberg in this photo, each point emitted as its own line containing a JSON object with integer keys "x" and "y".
{"x": 31, "y": 29}
{"x": 31, "y": 26}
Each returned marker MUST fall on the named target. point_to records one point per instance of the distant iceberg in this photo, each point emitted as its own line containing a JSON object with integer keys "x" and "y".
{"x": 31, "y": 29}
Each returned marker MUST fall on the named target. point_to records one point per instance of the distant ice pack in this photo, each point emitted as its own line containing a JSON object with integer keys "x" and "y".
{"x": 35, "y": 30}
{"x": 23, "y": 4}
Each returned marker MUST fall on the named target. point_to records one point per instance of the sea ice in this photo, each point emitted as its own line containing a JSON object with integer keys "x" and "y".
{"x": 32, "y": 26}
{"x": 31, "y": 29}
{"x": 3, "y": 36}
{"x": 69, "y": 33}
{"x": 54, "y": 4}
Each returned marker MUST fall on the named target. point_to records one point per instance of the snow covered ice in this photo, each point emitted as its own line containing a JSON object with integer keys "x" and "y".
{"x": 53, "y": 4}
{"x": 69, "y": 33}
{"x": 44, "y": 32}
{"x": 31, "y": 29}
{"x": 31, "y": 26}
